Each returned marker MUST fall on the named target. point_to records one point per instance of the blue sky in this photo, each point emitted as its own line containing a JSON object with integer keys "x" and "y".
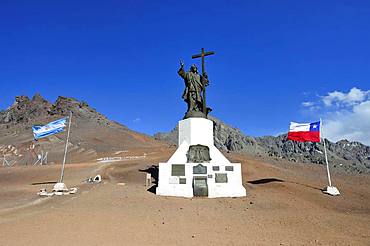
{"x": 275, "y": 62}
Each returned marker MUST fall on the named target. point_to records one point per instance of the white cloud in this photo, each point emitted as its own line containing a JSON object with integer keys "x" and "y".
{"x": 307, "y": 104}
{"x": 137, "y": 120}
{"x": 353, "y": 125}
{"x": 311, "y": 106}
{"x": 354, "y": 96}
{"x": 345, "y": 115}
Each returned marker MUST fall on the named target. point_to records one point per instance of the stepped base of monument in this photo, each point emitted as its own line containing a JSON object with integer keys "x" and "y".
{"x": 216, "y": 177}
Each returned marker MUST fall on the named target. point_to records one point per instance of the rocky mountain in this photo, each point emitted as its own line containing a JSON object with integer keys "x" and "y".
{"x": 27, "y": 111}
{"x": 226, "y": 138}
{"x": 92, "y": 134}
{"x": 343, "y": 155}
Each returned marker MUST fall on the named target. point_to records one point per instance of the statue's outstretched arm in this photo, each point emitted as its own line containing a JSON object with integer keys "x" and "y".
{"x": 181, "y": 71}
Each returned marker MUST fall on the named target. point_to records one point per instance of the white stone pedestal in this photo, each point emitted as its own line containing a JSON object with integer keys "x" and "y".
{"x": 221, "y": 178}
{"x": 332, "y": 190}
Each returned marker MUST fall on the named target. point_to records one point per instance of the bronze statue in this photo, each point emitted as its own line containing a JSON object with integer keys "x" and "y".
{"x": 193, "y": 91}
{"x": 195, "y": 88}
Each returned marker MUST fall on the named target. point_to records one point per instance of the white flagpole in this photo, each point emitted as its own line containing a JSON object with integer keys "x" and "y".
{"x": 326, "y": 155}
{"x": 66, "y": 147}
{"x": 331, "y": 190}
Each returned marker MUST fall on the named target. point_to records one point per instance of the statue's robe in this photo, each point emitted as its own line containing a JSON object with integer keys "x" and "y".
{"x": 192, "y": 84}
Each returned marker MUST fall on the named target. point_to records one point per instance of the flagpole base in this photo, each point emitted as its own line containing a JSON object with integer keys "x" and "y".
{"x": 331, "y": 190}
{"x": 60, "y": 188}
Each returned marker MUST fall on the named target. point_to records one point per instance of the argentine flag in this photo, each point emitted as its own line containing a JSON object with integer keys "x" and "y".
{"x": 49, "y": 129}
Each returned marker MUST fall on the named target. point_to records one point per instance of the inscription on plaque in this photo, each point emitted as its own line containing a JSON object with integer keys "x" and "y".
{"x": 229, "y": 168}
{"x": 199, "y": 169}
{"x": 178, "y": 170}
{"x": 221, "y": 177}
{"x": 182, "y": 180}
{"x": 216, "y": 168}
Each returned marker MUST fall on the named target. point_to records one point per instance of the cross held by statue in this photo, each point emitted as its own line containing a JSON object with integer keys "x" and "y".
{"x": 202, "y": 55}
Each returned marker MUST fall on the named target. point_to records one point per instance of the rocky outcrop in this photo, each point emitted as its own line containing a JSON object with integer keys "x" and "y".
{"x": 350, "y": 156}
{"x": 168, "y": 137}
{"x": 25, "y": 111}
{"x": 230, "y": 138}
{"x": 225, "y": 137}
{"x": 63, "y": 105}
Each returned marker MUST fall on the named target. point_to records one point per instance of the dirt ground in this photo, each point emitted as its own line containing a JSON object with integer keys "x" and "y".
{"x": 284, "y": 206}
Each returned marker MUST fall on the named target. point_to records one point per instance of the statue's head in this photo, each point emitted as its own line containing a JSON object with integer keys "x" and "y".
{"x": 194, "y": 68}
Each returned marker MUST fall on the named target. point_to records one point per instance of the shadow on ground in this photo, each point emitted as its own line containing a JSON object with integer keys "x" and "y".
{"x": 153, "y": 170}
{"x": 271, "y": 180}
{"x": 45, "y": 182}
{"x": 265, "y": 181}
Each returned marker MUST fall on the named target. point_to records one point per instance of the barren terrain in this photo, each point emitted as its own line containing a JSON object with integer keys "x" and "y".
{"x": 284, "y": 206}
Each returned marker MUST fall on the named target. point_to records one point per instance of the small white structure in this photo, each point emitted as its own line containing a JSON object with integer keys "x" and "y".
{"x": 216, "y": 178}
{"x": 60, "y": 187}
{"x": 331, "y": 190}
{"x": 97, "y": 179}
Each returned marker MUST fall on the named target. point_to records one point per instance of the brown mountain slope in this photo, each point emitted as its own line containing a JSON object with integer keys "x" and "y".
{"x": 92, "y": 134}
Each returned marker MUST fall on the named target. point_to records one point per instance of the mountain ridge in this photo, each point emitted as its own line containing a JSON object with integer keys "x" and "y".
{"x": 350, "y": 157}
{"x": 26, "y": 110}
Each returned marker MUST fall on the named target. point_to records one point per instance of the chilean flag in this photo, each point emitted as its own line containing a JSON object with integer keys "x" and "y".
{"x": 304, "y": 132}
